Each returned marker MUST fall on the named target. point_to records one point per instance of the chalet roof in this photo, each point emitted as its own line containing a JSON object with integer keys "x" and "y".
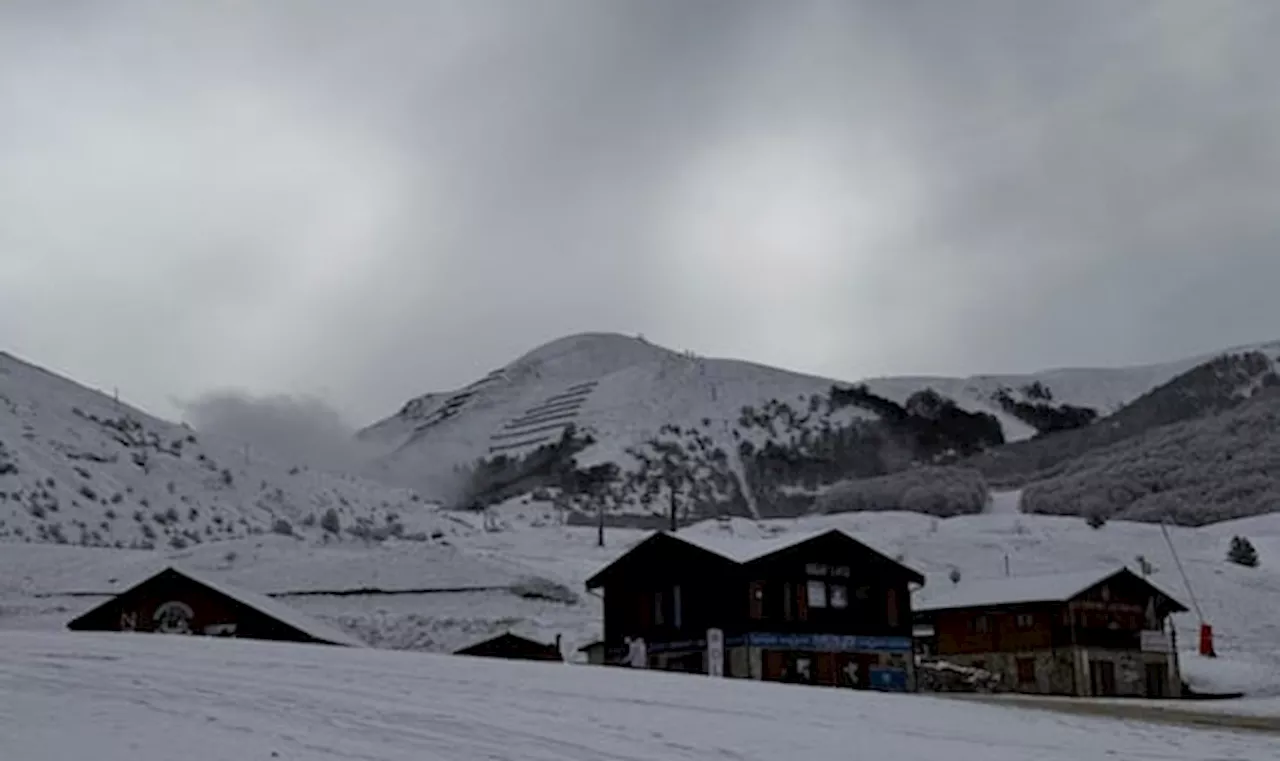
{"x": 742, "y": 550}
{"x": 506, "y": 635}
{"x": 1021, "y": 590}
{"x": 265, "y": 605}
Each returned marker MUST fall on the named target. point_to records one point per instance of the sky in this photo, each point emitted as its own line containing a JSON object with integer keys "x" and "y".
{"x": 361, "y": 202}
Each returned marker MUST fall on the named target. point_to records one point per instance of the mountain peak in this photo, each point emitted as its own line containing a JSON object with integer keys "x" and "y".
{"x": 589, "y": 354}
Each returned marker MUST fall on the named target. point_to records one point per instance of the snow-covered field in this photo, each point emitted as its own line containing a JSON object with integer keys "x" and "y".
{"x": 1242, "y": 604}
{"x": 128, "y": 697}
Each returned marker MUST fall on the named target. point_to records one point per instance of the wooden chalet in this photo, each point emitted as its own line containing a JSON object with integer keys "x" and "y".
{"x": 1086, "y": 634}
{"x": 515, "y": 647}
{"x": 822, "y": 608}
{"x": 177, "y": 601}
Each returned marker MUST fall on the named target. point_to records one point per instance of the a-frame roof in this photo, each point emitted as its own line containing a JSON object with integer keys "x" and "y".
{"x": 274, "y": 609}
{"x": 741, "y": 551}
{"x": 1027, "y": 590}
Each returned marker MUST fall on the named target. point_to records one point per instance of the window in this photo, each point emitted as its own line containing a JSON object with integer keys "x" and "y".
{"x": 817, "y": 592}
{"x": 891, "y": 611}
{"x": 659, "y": 615}
{"x": 676, "y": 618}
{"x": 1025, "y": 621}
{"x": 1026, "y": 670}
{"x": 757, "y": 599}
{"x": 838, "y": 596}
{"x": 980, "y": 624}
{"x": 821, "y": 593}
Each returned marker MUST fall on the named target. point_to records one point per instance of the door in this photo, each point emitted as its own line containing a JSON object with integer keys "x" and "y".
{"x": 1102, "y": 678}
{"x": 1157, "y": 680}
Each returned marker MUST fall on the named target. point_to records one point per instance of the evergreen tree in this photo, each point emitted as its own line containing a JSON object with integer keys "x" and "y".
{"x": 1242, "y": 552}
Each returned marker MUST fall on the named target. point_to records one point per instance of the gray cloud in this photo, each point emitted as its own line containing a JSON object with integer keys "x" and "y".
{"x": 291, "y": 431}
{"x": 364, "y": 203}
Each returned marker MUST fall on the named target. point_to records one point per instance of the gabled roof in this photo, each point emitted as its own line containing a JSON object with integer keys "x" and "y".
{"x": 267, "y": 606}
{"x": 743, "y": 551}
{"x": 1024, "y": 590}
{"x": 507, "y": 636}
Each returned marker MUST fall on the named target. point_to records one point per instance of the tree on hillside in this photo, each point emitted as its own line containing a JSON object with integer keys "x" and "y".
{"x": 1242, "y": 552}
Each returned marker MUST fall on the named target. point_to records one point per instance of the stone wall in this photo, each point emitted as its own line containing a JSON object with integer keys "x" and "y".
{"x": 1053, "y": 670}
{"x": 1066, "y": 671}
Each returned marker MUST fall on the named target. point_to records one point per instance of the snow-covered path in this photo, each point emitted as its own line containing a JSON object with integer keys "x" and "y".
{"x": 1005, "y": 503}
{"x": 156, "y": 698}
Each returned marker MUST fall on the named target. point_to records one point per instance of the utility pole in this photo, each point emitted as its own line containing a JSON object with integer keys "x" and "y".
{"x": 600, "y": 523}
{"x": 675, "y": 525}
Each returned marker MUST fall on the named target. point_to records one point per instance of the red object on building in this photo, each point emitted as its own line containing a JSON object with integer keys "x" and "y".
{"x": 1206, "y": 641}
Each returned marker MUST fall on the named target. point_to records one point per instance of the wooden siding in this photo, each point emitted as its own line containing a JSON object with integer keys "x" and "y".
{"x": 1111, "y": 615}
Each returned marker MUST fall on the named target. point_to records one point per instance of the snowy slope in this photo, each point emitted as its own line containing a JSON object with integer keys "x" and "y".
{"x": 144, "y": 698}
{"x": 642, "y": 406}
{"x": 79, "y": 467}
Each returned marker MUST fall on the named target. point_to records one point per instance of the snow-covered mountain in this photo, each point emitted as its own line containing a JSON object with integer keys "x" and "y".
{"x": 79, "y": 467}
{"x": 608, "y": 419}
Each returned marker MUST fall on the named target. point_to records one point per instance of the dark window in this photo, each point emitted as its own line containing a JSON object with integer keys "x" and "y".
{"x": 892, "y": 607}
{"x": 1026, "y": 671}
{"x": 757, "y": 599}
{"x": 659, "y": 615}
{"x": 1026, "y": 621}
{"x": 980, "y": 624}
{"x": 677, "y": 619}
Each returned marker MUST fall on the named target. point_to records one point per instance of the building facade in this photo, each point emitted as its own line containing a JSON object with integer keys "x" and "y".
{"x": 1094, "y": 634}
{"x": 821, "y": 609}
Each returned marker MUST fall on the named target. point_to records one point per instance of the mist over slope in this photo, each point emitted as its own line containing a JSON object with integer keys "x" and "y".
{"x": 604, "y": 420}
{"x": 77, "y": 466}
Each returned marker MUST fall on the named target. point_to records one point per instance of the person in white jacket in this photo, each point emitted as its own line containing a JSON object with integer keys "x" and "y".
{"x": 637, "y": 654}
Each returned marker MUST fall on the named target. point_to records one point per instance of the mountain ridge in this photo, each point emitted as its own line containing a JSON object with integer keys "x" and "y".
{"x": 606, "y": 418}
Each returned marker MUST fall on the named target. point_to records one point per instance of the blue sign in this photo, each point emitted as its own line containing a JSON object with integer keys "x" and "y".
{"x": 829, "y": 643}
{"x": 885, "y": 678}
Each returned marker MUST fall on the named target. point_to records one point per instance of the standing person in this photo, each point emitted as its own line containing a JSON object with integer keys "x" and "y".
{"x": 637, "y": 654}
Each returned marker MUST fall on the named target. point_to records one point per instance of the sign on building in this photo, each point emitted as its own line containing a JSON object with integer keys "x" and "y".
{"x": 715, "y": 652}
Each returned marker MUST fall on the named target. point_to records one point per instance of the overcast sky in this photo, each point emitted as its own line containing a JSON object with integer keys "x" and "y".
{"x": 365, "y": 201}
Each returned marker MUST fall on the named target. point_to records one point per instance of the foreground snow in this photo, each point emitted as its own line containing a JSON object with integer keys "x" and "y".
{"x": 155, "y": 697}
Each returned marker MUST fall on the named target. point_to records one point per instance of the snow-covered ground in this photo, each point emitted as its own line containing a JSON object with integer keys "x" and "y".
{"x": 118, "y": 697}
{"x": 1242, "y": 604}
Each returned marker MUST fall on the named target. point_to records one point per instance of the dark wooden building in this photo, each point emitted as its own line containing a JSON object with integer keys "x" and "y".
{"x": 822, "y": 608}
{"x": 1087, "y": 634}
{"x": 182, "y": 602}
{"x": 515, "y": 647}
